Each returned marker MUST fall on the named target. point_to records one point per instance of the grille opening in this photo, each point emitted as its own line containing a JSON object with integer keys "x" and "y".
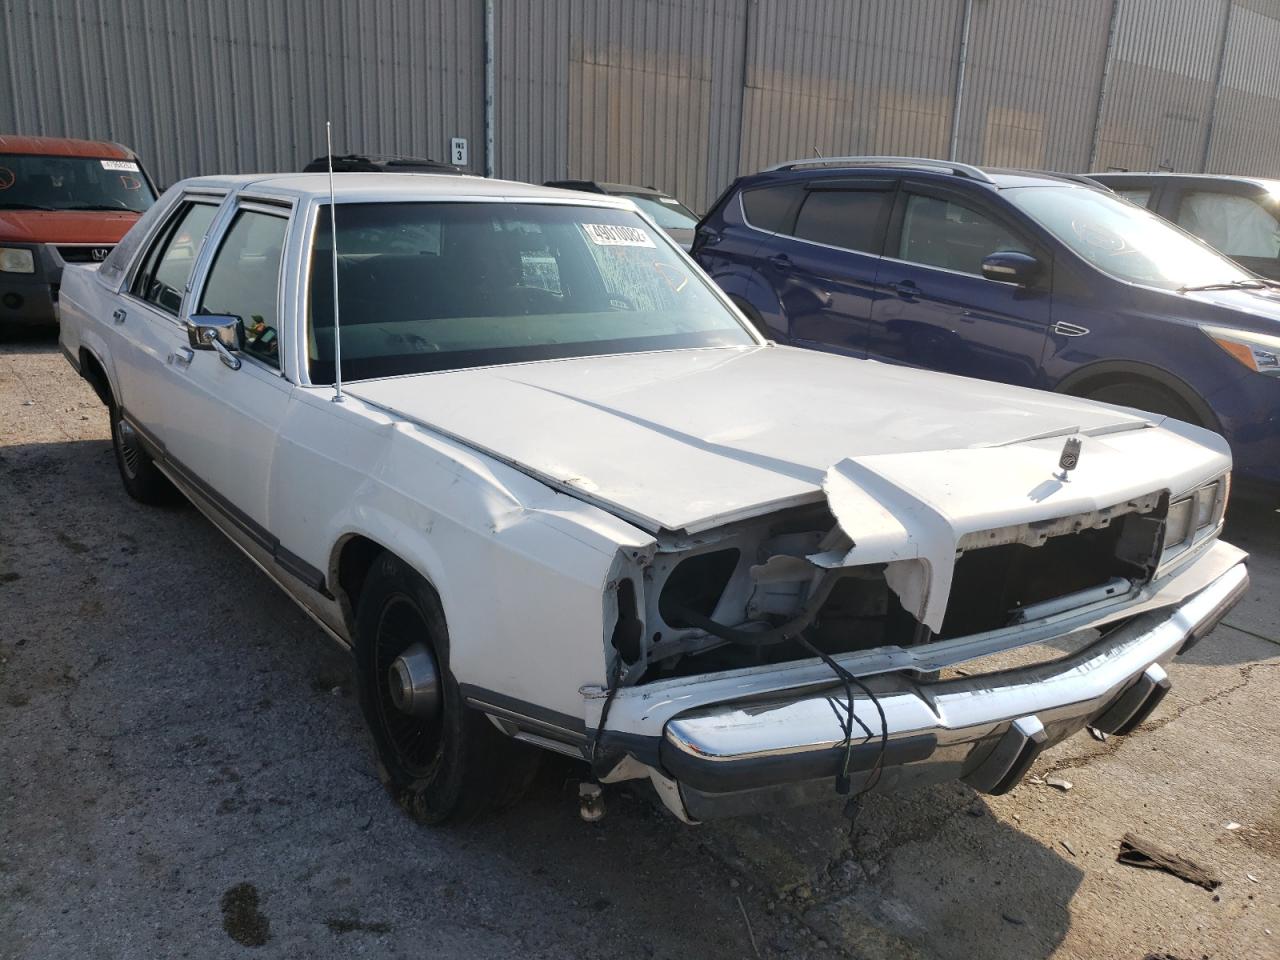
{"x": 991, "y": 584}
{"x": 697, "y": 584}
{"x": 861, "y": 613}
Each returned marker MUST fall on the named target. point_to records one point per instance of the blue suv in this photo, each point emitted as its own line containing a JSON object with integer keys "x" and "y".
{"x": 1042, "y": 280}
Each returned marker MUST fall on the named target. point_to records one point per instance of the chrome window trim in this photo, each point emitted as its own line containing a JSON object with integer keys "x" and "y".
{"x": 144, "y": 250}
{"x": 281, "y": 209}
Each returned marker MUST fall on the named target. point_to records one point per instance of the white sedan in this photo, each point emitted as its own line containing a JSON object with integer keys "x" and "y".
{"x": 565, "y": 498}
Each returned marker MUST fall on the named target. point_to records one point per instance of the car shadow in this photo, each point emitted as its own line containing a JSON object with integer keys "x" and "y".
{"x": 34, "y": 337}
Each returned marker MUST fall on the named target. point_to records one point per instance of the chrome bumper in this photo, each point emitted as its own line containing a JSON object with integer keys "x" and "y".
{"x": 735, "y": 758}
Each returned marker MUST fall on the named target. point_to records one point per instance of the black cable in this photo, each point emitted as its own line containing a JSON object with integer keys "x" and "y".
{"x": 604, "y": 712}
{"x": 794, "y": 629}
{"x": 849, "y": 681}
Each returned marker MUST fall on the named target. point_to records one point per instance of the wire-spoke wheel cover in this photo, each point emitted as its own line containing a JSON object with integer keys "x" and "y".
{"x": 415, "y": 740}
{"x": 127, "y": 439}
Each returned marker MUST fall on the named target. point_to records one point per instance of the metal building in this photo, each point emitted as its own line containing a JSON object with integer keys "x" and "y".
{"x": 679, "y": 94}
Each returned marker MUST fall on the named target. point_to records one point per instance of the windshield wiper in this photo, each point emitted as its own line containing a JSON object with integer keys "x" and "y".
{"x": 102, "y": 206}
{"x": 1250, "y": 283}
{"x": 24, "y": 206}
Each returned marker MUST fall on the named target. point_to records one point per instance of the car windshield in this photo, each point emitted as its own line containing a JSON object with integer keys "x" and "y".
{"x": 1125, "y": 240}
{"x": 441, "y": 286}
{"x": 667, "y": 212}
{"x": 29, "y": 182}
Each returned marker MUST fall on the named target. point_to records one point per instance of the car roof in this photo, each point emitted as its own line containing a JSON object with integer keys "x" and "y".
{"x": 381, "y": 187}
{"x": 65, "y": 147}
{"x": 1270, "y": 184}
{"x": 997, "y": 178}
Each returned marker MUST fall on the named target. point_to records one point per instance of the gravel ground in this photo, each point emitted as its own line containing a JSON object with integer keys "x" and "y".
{"x": 183, "y": 772}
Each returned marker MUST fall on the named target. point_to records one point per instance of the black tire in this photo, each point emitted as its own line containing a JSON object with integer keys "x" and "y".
{"x": 456, "y": 765}
{"x": 1144, "y": 395}
{"x": 142, "y": 479}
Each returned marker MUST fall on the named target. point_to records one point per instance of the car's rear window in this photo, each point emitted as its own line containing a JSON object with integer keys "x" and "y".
{"x": 439, "y": 286}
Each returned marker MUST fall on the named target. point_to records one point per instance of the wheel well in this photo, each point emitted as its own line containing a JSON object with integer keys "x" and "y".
{"x": 1084, "y": 382}
{"x": 92, "y": 371}
{"x": 355, "y": 559}
{"x": 752, "y": 315}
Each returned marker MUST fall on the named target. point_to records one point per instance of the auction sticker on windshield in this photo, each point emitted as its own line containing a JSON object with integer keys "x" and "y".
{"x": 615, "y": 235}
{"x": 126, "y": 165}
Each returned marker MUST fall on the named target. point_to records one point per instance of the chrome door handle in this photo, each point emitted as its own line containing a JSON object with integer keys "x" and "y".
{"x": 182, "y": 356}
{"x": 118, "y": 315}
{"x": 1069, "y": 329}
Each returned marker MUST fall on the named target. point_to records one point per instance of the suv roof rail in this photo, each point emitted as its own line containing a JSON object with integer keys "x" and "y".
{"x": 951, "y": 166}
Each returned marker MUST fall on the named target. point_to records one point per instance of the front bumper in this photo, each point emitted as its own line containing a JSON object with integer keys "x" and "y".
{"x": 27, "y": 300}
{"x": 736, "y": 758}
{"x": 1249, "y": 412}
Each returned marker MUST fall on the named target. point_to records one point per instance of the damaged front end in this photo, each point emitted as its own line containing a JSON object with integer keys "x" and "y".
{"x": 826, "y": 645}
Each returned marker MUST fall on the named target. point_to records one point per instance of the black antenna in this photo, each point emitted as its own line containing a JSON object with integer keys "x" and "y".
{"x": 333, "y": 231}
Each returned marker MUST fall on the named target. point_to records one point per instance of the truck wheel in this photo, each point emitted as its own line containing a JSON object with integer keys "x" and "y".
{"x": 443, "y": 761}
{"x": 142, "y": 479}
{"x": 1150, "y": 397}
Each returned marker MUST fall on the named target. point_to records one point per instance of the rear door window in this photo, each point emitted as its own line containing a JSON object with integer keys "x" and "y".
{"x": 944, "y": 233}
{"x": 166, "y": 269}
{"x": 772, "y": 208}
{"x": 1236, "y": 225}
{"x": 851, "y": 219}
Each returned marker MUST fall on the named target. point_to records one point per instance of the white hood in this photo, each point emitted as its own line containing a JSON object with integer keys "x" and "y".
{"x": 690, "y": 439}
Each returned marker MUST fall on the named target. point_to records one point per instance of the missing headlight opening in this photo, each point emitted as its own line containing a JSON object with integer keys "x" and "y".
{"x": 750, "y": 595}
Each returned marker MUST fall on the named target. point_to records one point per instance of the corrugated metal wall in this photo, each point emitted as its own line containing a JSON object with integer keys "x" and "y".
{"x": 1246, "y": 123}
{"x": 1161, "y": 85}
{"x": 637, "y": 91}
{"x": 680, "y": 94}
{"x": 1032, "y": 80}
{"x": 837, "y": 78}
{"x": 209, "y": 86}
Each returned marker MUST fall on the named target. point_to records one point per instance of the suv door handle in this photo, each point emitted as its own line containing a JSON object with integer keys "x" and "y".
{"x": 118, "y": 315}
{"x": 780, "y": 262}
{"x": 182, "y": 356}
{"x": 906, "y": 289}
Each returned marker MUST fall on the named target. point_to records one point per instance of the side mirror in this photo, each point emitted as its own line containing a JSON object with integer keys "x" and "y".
{"x": 1010, "y": 266}
{"x": 221, "y": 332}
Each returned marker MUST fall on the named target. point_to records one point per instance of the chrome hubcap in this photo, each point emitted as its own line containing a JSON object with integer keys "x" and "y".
{"x": 413, "y": 682}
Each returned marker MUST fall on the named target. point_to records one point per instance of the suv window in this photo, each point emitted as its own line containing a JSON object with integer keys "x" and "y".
{"x": 1235, "y": 225}
{"x": 772, "y": 208}
{"x": 852, "y": 219}
{"x": 245, "y": 280}
{"x": 167, "y": 267}
{"x": 951, "y": 235}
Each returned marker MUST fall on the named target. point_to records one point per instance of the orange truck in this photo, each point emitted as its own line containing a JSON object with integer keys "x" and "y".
{"x": 61, "y": 201}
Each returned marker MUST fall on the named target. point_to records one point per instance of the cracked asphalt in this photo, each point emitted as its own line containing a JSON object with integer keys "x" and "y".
{"x": 184, "y": 773}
